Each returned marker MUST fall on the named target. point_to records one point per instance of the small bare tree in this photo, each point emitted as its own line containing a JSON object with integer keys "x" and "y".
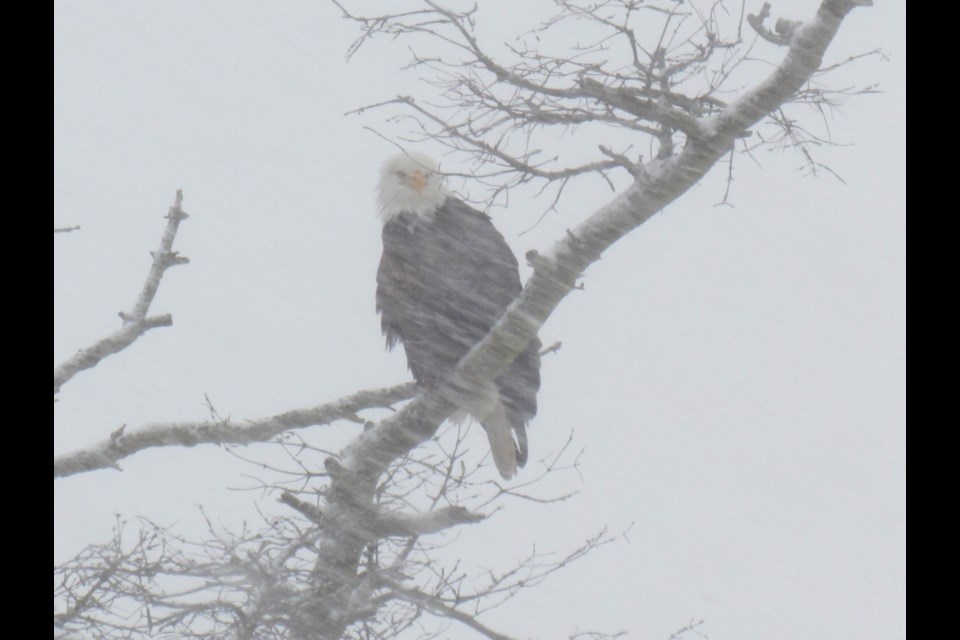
{"x": 658, "y": 87}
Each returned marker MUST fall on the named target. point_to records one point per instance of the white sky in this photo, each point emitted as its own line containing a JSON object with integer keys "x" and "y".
{"x": 735, "y": 375}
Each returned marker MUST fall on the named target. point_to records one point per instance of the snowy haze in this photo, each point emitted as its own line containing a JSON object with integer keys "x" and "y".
{"x": 735, "y": 376}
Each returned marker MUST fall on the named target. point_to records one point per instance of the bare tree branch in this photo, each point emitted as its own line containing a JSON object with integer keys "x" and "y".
{"x": 66, "y": 229}
{"x": 419, "y": 524}
{"x": 123, "y": 442}
{"x": 436, "y": 606}
{"x": 661, "y": 113}
{"x": 381, "y": 523}
{"x": 136, "y": 322}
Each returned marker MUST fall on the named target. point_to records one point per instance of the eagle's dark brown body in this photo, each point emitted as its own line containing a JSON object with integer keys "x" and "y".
{"x": 444, "y": 280}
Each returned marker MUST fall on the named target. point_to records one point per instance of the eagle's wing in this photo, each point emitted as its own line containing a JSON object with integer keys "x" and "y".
{"x": 405, "y": 290}
{"x": 394, "y": 283}
{"x": 496, "y": 280}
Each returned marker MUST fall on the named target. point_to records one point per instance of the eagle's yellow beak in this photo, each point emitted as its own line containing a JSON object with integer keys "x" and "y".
{"x": 418, "y": 181}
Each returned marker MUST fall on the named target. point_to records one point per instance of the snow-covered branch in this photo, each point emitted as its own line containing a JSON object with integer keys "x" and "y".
{"x": 124, "y": 442}
{"x": 380, "y": 523}
{"x": 419, "y": 524}
{"x": 135, "y": 322}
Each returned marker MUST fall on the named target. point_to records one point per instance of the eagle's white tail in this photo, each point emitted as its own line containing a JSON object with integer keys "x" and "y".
{"x": 487, "y": 408}
{"x": 502, "y": 448}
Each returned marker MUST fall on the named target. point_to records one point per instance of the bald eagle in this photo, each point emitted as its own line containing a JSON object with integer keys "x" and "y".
{"x": 445, "y": 277}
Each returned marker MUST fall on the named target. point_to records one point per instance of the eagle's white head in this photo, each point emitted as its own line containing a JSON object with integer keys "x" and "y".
{"x": 410, "y": 182}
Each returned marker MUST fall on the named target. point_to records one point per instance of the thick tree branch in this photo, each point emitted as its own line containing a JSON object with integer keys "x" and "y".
{"x": 419, "y": 524}
{"x": 807, "y": 46}
{"x": 123, "y": 442}
{"x": 377, "y": 523}
{"x": 136, "y": 322}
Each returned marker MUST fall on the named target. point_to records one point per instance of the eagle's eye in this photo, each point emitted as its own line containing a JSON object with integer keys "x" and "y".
{"x": 401, "y": 174}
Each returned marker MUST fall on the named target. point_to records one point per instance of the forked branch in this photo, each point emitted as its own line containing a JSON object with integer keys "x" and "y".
{"x": 135, "y": 322}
